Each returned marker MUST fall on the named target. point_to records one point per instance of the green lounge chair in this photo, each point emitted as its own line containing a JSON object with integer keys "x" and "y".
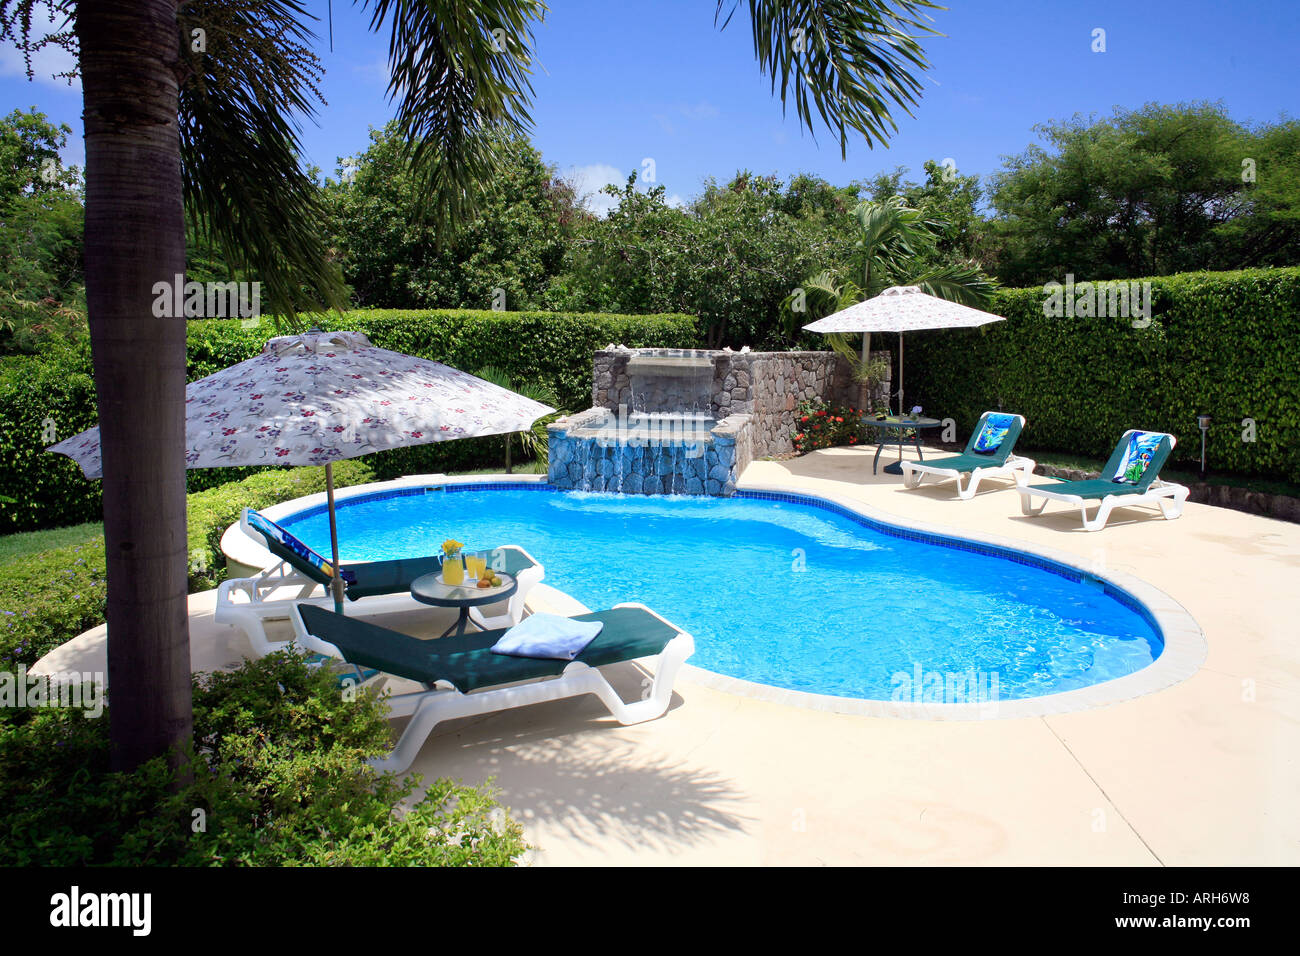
{"x": 249, "y": 602}
{"x": 462, "y": 677}
{"x": 988, "y": 454}
{"x": 1130, "y": 477}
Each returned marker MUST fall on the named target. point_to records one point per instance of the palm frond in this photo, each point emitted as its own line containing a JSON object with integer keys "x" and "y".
{"x": 963, "y": 284}
{"x": 535, "y": 441}
{"x": 871, "y": 372}
{"x": 459, "y": 73}
{"x": 847, "y": 61}
{"x": 243, "y": 182}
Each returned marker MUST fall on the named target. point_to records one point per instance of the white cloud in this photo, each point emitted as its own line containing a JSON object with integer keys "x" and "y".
{"x": 676, "y": 201}
{"x": 587, "y": 182}
{"x": 701, "y": 111}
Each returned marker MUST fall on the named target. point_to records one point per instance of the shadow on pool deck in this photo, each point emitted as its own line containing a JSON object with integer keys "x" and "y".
{"x": 567, "y": 773}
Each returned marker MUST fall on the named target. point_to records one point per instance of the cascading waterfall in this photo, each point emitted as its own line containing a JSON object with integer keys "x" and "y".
{"x": 657, "y": 435}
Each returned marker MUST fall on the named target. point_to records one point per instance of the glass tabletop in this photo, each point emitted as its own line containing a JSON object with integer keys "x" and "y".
{"x": 430, "y": 589}
{"x": 894, "y": 421}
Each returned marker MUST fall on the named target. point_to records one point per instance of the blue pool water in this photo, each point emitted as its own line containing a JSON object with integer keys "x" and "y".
{"x": 784, "y": 593}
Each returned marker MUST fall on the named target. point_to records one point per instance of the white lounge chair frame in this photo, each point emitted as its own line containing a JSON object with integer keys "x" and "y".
{"x": 1016, "y": 466}
{"x": 441, "y": 701}
{"x": 247, "y": 603}
{"x": 1168, "y": 495}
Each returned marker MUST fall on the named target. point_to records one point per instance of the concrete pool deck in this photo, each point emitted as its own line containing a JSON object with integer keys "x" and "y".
{"x": 1201, "y": 773}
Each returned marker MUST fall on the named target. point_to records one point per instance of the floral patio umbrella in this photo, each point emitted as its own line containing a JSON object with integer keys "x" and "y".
{"x": 902, "y": 308}
{"x": 320, "y": 397}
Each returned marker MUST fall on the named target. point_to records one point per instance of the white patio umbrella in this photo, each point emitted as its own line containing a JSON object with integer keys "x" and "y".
{"x": 320, "y": 397}
{"x": 901, "y": 308}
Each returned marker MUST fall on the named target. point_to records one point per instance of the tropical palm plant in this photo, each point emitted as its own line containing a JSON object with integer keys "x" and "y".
{"x": 891, "y": 238}
{"x": 535, "y": 443}
{"x": 197, "y": 101}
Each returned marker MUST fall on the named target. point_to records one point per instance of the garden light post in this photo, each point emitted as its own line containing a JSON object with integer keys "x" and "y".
{"x": 1204, "y": 422}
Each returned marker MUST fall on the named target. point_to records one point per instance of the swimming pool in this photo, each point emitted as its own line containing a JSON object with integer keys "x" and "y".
{"x": 785, "y": 591}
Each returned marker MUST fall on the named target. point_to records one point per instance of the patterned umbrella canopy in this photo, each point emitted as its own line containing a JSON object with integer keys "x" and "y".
{"x": 320, "y": 397}
{"x": 315, "y": 398}
{"x": 902, "y": 308}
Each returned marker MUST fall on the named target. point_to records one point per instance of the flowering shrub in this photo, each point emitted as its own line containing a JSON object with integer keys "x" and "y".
{"x": 822, "y": 425}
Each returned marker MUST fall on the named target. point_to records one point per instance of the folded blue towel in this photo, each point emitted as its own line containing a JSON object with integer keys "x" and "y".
{"x": 548, "y": 636}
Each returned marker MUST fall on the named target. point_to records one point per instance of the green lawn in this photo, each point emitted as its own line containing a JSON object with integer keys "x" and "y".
{"x": 14, "y": 546}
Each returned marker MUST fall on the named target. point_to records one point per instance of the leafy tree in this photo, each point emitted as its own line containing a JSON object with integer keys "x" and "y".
{"x": 632, "y": 260}
{"x": 174, "y": 115}
{"x": 730, "y": 257}
{"x": 1150, "y": 191}
{"x": 40, "y": 240}
{"x": 394, "y": 256}
{"x": 1266, "y": 228}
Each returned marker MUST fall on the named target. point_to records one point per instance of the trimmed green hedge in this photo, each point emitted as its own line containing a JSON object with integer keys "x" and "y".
{"x": 51, "y": 597}
{"x": 1224, "y": 343}
{"x": 57, "y": 386}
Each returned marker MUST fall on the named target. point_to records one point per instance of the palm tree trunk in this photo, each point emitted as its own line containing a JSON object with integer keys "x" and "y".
{"x": 135, "y": 237}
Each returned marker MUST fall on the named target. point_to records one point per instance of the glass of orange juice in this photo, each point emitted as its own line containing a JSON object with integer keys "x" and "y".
{"x": 475, "y": 564}
{"x": 453, "y": 571}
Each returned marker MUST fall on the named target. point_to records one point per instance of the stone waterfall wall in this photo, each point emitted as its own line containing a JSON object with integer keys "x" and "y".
{"x": 767, "y": 386}
{"x": 751, "y": 398}
{"x": 594, "y": 451}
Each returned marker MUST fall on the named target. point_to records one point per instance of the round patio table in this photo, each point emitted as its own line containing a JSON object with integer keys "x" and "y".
{"x": 429, "y": 589}
{"x": 891, "y": 431}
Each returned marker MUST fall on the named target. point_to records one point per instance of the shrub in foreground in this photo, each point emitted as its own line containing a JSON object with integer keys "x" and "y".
{"x": 278, "y": 779}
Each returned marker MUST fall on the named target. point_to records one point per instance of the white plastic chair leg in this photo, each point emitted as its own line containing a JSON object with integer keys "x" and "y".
{"x": 1172, "y": 506}
{"x": 1103, "y": 513}
{"x": 1027, "y": 507}
{"x": 972, "y": 485}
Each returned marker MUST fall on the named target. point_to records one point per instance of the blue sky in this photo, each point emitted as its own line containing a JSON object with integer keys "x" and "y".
{"x": 619, "y": 83}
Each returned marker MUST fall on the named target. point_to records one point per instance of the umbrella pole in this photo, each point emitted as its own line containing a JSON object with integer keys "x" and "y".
{"x": 900, "y": 380}
{"x": 869, "y": 404}
{"x": 336, "y": 581}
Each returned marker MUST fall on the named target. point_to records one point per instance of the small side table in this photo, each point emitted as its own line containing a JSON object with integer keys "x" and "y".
{"x": 890, "y": 431}
{"x": 430, "y": 590}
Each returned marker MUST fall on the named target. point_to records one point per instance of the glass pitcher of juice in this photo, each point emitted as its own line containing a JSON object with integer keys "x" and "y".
{"x": 453, "y": 571}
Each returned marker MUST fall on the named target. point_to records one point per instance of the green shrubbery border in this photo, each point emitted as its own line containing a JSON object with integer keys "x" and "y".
{"x": 1223, "y": 343}
{"x": 543, "y": 347}
{"x": 52, "y": 596}
{"x": 278, "y": 774}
